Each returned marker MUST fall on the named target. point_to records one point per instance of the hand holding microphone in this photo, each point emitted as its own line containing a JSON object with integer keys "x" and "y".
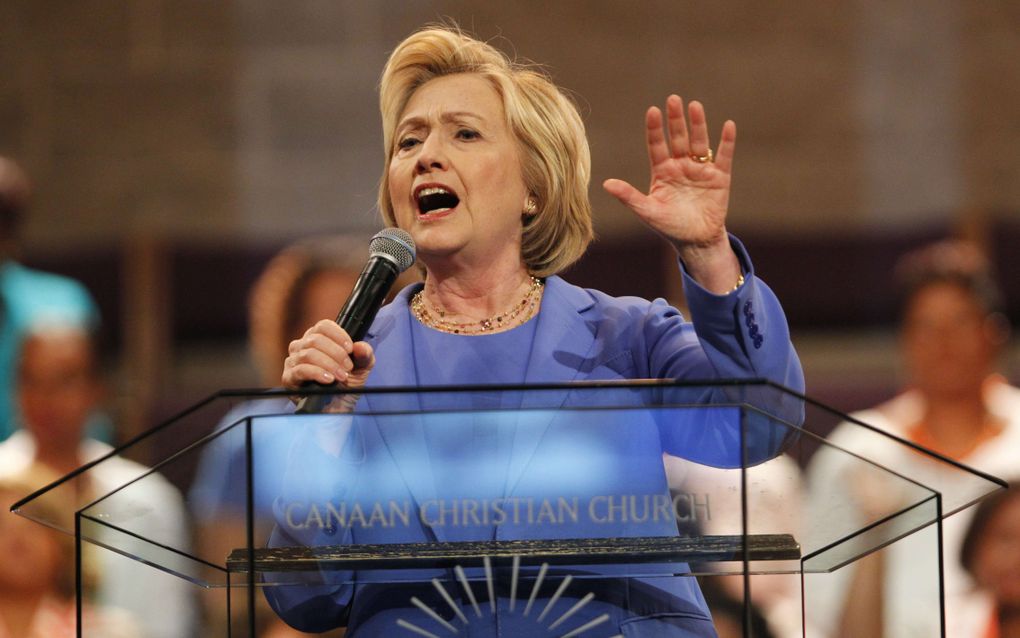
{"x": 333, "y": 353}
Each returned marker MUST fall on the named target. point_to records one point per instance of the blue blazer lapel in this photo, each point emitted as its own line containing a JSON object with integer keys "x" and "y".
{"x": 563, "y": 339}
{"x": 403, "y": 434}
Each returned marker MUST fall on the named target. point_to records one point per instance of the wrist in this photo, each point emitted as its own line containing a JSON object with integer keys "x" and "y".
{"x": 715, "y": 267}
{"x": 343, "y": 403}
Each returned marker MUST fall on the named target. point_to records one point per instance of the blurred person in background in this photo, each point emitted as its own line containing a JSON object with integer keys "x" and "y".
{"x": 37, "y": 569}
{"x": 991, "y": 555}
{"x": 774, "y": 502}
{"x": 59, "y": 385}
{"x": 304, "y": 283}
{"x": 956, "y": 404}
{"x": 27, "y": 295}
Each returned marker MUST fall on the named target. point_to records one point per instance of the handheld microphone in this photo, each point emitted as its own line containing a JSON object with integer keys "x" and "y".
{"x": 391, "y": 252}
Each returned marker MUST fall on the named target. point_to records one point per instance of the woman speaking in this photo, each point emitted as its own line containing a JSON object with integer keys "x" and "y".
{"x": 487, "y": 167}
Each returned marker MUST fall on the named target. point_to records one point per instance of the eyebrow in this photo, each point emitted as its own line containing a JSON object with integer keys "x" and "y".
{"x": 446, "y": 118}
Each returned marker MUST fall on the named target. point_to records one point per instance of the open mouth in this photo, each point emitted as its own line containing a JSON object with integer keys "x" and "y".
{"x": 435, "y": 199}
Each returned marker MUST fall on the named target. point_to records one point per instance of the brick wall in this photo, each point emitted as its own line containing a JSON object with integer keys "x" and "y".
{"x": 232, "y": 127}
{"x": 255, "y": 119}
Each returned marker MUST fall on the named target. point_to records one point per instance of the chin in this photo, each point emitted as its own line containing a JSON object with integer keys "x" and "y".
{"x": 428, "y": 242}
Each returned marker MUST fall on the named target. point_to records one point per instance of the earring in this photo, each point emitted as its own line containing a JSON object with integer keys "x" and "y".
{"x": 531, "y": 206}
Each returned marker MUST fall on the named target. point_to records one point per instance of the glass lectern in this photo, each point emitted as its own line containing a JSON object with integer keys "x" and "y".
{"x": 557, "y": 510}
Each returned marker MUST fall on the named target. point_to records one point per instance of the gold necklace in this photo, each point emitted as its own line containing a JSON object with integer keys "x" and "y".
{"x": 436, "y": 317}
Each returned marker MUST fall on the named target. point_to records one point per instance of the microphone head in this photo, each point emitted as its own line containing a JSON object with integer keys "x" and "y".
{"x": 394, "y": 245}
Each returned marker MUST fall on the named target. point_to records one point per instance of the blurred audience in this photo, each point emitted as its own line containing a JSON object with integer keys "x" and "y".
{"x": 991, "y": 555}
{"x": 773, "y": 499}
{"x": 306, "y": 282}
{"x": 27, "y": 296}
{"x": 954, "y": 403}
{"x": 59, "y": 385}
{"x": 37, "y": 578}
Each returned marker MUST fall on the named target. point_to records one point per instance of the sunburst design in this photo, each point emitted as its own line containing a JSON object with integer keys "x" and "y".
{"x": 551, "y": 629}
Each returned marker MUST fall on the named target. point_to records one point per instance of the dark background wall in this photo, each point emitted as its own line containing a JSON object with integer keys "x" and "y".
{"x": 176, "y": 144}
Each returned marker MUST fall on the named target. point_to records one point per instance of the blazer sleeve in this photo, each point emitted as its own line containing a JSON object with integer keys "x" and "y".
{"x": 740, "y": 335}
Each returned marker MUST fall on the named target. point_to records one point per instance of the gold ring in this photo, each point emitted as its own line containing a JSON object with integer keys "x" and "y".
{"x": 701, "y": 159}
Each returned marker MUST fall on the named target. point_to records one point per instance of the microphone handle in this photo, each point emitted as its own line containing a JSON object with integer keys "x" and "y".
{"x": 355, "y": 317}
{"x": 367, "y": 297}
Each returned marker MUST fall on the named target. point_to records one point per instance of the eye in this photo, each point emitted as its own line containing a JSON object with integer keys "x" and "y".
{"x": 467, "y": 134}
{"x": 407, "y": 142}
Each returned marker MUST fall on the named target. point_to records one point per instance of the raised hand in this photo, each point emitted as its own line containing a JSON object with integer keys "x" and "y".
{"x": 689, "y": 193}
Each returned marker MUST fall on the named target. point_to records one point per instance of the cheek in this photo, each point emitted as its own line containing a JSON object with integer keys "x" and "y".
{"x": 958, "y": 345}
{"x": 58, "y": 412}
{"x": 398, "y": 190}
{"x": 503, "y": 193}
{"x": 34, "y": 405}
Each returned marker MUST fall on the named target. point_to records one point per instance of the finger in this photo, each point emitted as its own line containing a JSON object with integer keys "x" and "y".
{"x": 363, "y": 356}
{"x": 699, "y": 129}
{"x": 655, "y": 138}
{"x": 677, "y": 126}
{"x": 627, "y": 194}
{"x": 327, "y": 351}
{"x": 727, "y": 146}
{"x": 326, "y": 336}
{"x": 332, "y": 339}
{"x": 337, "y": 363}
{"x": 296, "y": 376}
{"x": 333, "y": 331}
{"x": 320, "y": 349}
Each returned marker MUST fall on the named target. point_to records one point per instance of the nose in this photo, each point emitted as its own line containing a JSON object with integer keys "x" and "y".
{"x": 432, "y": 155}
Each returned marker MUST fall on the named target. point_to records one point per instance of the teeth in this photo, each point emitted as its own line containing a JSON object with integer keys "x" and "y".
{"x": 432, "y": 190}
{"x": 435, "y": 199}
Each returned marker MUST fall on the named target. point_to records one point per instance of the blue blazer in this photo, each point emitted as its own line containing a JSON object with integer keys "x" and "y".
{"x": 555, "y": 453}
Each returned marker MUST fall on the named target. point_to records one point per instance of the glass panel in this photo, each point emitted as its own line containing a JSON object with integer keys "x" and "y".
{"x": 910, "y": 605}
{"x": 613, "y": 491}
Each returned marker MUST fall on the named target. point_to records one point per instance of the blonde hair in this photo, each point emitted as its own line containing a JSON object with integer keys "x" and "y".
{"x": 555, "y": 160}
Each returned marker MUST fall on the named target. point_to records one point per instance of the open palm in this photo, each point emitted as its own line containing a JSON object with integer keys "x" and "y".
{"x": 689, "y": 194}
